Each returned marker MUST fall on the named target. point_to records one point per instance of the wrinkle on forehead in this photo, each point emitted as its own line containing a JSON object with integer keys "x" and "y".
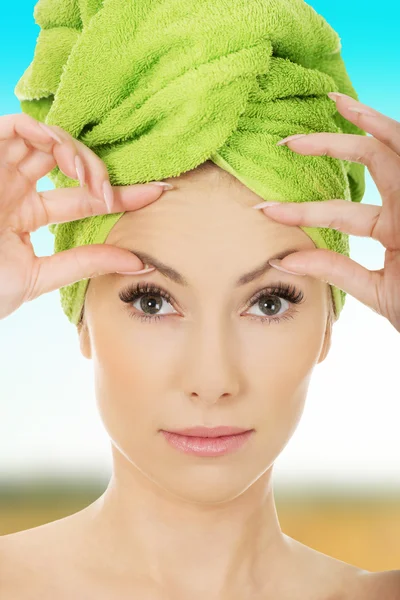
{"x": 209, "y": 201}
{"x": 206, "y": 222}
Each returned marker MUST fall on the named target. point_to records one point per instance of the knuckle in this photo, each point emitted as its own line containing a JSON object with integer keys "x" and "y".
{"x": 394, "y": 128}
{"x": 33, "y": 289}
{"x": 373, "y": 150}
{"x": 45, "y": 217}
{"x": 10, "y": 121}
{"x": 373, "y": 233}
{"x": 60, "y": 131}
{"x": 24, "y": 118}
{"x": 77, "y": 257}
{"x": 87, "y": 207}
{"x": 90, "y": 209}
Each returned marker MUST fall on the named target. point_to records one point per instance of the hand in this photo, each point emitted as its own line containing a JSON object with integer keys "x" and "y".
{"x": 28, "y": 153}
{"x": 380, "y": 289}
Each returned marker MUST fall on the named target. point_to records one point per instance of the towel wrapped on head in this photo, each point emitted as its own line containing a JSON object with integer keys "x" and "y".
{"x": 157, "y": 87}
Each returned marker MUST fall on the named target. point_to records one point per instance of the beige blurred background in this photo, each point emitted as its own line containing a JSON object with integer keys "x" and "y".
{"x": 359, "y": 528}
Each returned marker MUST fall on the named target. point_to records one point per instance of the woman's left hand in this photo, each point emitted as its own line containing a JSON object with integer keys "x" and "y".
{"x": 380, "y": 289}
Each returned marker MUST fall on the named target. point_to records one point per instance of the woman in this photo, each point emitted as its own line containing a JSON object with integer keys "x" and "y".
{"x": 172, "y": 523}
{"x": 194, "y": 342}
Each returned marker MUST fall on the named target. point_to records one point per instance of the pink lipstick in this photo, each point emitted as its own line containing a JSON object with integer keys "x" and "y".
{"x": 204, "y": 441}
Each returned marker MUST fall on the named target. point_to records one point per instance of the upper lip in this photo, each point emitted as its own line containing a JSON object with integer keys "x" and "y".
{"x": 209, "y": 431}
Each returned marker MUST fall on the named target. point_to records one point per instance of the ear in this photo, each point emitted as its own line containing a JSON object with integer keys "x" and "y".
{"x": 84, "y": 339}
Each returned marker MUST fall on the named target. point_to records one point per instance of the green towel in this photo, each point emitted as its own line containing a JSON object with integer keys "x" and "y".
{"x": 174, "y": 83}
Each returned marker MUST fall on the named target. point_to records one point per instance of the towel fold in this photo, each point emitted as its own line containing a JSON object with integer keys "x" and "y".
{"x": 157, "y": 87}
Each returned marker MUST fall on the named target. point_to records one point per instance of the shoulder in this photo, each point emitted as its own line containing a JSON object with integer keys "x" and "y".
{"x": 28, "y": 556}
{"x": 379, "y": 585}
{"x": 15, "y": 569}
{"x": 334, "y": 579}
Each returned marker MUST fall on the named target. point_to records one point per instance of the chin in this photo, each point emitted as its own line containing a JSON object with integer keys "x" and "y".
{"x": 205, "y": 480}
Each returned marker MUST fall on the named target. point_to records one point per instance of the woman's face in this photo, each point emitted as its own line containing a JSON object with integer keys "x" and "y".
{"x": 205, "y": 357}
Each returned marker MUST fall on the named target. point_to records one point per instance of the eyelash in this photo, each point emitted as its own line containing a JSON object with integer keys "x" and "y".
{"x": 283, "y": 290}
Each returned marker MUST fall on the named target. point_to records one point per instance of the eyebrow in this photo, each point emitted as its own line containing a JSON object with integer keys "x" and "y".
{"x": 175, "y": 276}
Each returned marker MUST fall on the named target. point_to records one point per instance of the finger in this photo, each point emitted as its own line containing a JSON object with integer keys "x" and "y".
{"x": 349, "y": 217}
{"x": 382, "y": 127}
{"x": 95, "y": 169}
{"x": 21, "y": 141}
{"x": 90, "y": 171}
{"x": 27, "y": 128}
{"x": 70, "y": 204}
{"x": 83, "y": 262}
{"x": 338, "y": 270}
{"x": 37, "y": 164}
{"x": 55, "y": 142}
{"x": 15, "y": 149}
{"x": 382, "y": 162}
{"x": 19, "y": 126}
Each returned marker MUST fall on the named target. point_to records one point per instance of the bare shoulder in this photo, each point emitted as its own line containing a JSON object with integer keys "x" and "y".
{"x": 17, "y": 571}
{"x": 30, "y": 556}
{"x": 379, "y": 585}
{"x": 334, "y": 579}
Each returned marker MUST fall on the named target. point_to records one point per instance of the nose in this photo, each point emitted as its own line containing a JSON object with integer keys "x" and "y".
{"x": 210, "y": 370}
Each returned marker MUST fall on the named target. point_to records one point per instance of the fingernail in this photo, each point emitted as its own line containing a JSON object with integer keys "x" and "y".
{"x": 50, "y": 132}
{"x": 335, "y": 95}
{"x": 276, "y": 264}
{"x": 108, "y": 195}
{"x": 136, "y": 272}
{"x": 80, "y": 170}
{"x": 291, "y": 137}
{"x": 266, "y": 204}
{"x": 166, "y": 186}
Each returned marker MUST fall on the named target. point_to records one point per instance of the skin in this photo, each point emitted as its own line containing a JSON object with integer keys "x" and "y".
{"x": 166, "y": 528}
{"x": 180, "y": 371}
{"x": 171, "y": 526}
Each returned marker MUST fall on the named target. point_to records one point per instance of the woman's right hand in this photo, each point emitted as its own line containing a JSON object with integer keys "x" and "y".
{"x": 28, "y": 153}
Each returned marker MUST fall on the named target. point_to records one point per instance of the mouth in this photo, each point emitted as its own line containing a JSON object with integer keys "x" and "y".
{"x": 209, "y": 432}
{"x": 213, "y": 445}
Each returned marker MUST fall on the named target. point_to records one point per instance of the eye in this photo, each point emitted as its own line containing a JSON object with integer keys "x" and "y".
{"x": 150, "y": 299}
{"x": 272, "y": 301}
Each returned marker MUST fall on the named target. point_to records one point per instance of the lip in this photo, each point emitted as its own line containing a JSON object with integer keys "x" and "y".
{"x": 208, "y": 445}
{"x": 209, "y": 432}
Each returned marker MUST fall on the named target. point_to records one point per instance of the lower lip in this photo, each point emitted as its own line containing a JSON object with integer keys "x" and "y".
{"x": 206, "y": 446}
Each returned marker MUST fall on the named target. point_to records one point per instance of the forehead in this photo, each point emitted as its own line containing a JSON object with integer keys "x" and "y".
{"x": 210, "y": 204}
{"x": 206, "y": 220}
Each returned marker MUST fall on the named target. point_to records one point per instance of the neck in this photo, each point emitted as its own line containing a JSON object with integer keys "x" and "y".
{"x": 229, "y": 548}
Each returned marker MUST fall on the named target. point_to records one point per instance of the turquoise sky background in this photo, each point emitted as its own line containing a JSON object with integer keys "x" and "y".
{"x": 349, "y": 431}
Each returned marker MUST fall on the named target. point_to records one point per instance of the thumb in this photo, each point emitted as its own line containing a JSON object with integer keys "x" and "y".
{"x": 83, "y": 262}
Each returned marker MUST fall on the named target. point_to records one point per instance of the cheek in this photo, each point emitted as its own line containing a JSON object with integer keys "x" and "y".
{"x": 281, "y": 419}
{"x": 280, "y": 356}
{"x": 132, "y": 371}
{"x": 279, "y": 370}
